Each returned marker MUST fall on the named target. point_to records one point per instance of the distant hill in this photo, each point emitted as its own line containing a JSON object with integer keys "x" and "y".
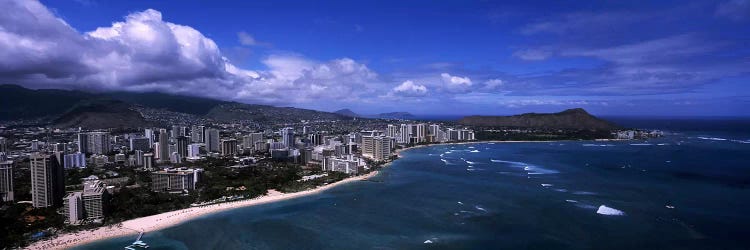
{"x": 569, "y": 119}
{"x": 68, "y": 108}
{"x": 254, "y": 112}
{"x": 347, "y": 112}
{"x": 175, "y": 103}
{"x": 17, "y": 102}
{"x": 395, "y": 115}
{"x": 100, "y": 114}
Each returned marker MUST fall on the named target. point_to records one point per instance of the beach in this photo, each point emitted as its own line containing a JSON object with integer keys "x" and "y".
{"x": 168, "y": 219}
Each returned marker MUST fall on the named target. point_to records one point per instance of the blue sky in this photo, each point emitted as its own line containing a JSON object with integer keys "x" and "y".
{"x": 424, "y": 57}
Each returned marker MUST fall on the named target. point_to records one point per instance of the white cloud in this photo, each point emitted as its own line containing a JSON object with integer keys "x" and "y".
{"x": 493, "y": 83}
{"x": 145, "y": 53}
{"x": 455, "y": 80}
{"x": 246, "y": 39}
{"x": 409, "y": 88}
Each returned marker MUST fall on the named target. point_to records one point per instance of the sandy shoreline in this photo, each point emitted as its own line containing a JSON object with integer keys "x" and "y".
{"x": 168, "y": 219}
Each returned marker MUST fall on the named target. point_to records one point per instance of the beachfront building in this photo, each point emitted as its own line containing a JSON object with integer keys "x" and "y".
{"x": 73, "y": 208}
{"x": 175, "y": 179}
{"x": 87, "y": 204}
{"x": 377, "y": 148}
{"x": 349, "y": 164}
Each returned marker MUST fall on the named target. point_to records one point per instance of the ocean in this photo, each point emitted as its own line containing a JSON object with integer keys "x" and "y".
{"x": 687, "y": 190}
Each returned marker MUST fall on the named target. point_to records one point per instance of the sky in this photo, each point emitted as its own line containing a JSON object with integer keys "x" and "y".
{"x": 653, "y": 58}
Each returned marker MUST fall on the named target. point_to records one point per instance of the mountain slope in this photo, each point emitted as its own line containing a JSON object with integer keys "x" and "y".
{"x": 17, "y": 102}
{"x": 174, "y": 103}
{"x": 569, "y": 119}
{"x": 100, "y": 114}
{"x": 254, "y": 112}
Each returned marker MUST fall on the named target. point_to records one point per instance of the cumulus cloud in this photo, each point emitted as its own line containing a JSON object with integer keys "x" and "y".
{"x": 409, "y": 88}
{"x": 455, "y": 80}
{"x": 146, "y": 53}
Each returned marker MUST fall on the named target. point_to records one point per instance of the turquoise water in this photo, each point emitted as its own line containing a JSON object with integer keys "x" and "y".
{"x": 686, "y": 191}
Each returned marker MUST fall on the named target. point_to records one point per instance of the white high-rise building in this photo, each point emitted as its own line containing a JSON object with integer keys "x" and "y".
{"x": 6, "y": 179}
{"x": 287, "y": 137}
{"x": 193, "y": 150}
{"x": 376, "y": 147}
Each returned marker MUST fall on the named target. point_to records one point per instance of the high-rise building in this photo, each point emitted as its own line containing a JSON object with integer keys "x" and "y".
{"x": 73, "y": 208}
{"x": 83, "y": 142}
{"x": 94, "y": 196}
{"x": 86, "y": 204}
{"x": 287, "y": 137}
{"x": 6, "y": 178}
{"x": 59, "y": 147}
{"x": 140, "y": 143}
{"x": 376, "y": 147}
{"x": 148, "y": 161}
{"x": 315, "y": 139}
{"x": 212, "y": 140}
{"x": 47, "y": 181}
{"x": 76, "y": 160}
{"x": 138, "y": 156}
{"x": 182, "y": 145}
{"x": 405, "y": 133}
{"x": 228, "y": 147}
{"x": 193, "y": 150}
{"x": 392, "y": 131}
{"x": 99, "y": 143}
{"x": 149, "y": 134}
{"x": 175, "y": 179}
{"x": 197, "y": 133}
{"x": 163, "y": 146}
{"x": 35, "y": 145}
{"x": 3, "y": 144}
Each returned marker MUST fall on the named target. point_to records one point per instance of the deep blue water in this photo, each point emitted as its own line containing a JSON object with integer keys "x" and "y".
{"x": 689, "y": 190}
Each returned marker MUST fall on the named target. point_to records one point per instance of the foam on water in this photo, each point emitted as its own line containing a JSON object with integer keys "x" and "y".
{"x": 480, "y": 208}
{"x": 605, "y": 210}
{"x": 470, "y": 162}
{"x": 598, "y": 145}
{"x": 546, "y": 185}
{"x": 460, "y": 203}
{"x": 711, "y": 138}
{"x": 641, "y": 144}
{"x": 532, "y": 169}
{"x": 474, "y": 151}
{"x": 571, "y": 201}
{"x": 584, "y": 193}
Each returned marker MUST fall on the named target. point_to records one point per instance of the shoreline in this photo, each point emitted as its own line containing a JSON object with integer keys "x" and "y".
{"x": 168, "y": 219}
{"x": 172, "y": 218}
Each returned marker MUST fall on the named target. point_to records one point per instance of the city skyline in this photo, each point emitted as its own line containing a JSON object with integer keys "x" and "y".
{"x": 457, "y": 58}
